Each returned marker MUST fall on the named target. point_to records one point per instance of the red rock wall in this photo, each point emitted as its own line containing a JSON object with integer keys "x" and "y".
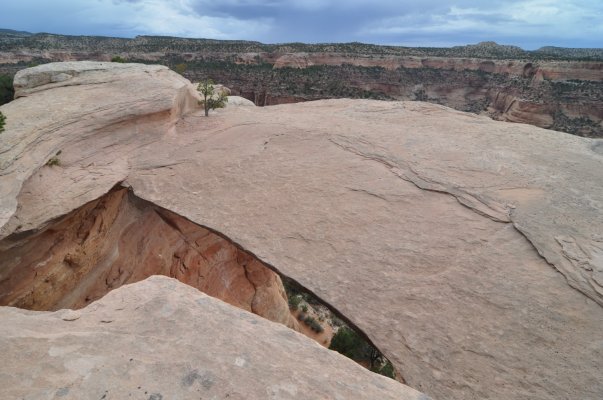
{"x": 120, "y": 239}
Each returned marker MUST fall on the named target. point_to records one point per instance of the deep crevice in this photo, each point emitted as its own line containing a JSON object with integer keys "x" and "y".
{"x": 121, "y": 238}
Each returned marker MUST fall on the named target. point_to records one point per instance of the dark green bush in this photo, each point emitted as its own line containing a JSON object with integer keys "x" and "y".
{"x": 2, "y": 122}
{"x": 7, "y": 92}
{"x": 313, "y": 324}
{"x": 294, "y": 301}
{"x": 349, "y": 343}
{"x": 386, "y": 369}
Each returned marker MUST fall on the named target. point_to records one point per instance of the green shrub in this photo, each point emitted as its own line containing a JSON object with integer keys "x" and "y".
{"x": 180, "y": 68}
{"x": 313, "y": 324}
{"x": 118, "y": 59}
{"x": 387, "y": 369}
{"x": 211, "y": 100}
{"x": 349, "y": 343}
{"x": 294, "y": 301}
{"x": 2, "y": 122}
{"x": 304, "y": 307}
{"x": 7, "y": 92}
{"x": 317, "y": 327}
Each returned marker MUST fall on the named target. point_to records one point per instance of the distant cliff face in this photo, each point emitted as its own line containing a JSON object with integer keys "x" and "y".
{"x": 555, "y": 88}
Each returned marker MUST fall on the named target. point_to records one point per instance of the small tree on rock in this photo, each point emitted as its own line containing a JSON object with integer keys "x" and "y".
{"x": 2, "y": 121}
{"x": 211, "y": 100}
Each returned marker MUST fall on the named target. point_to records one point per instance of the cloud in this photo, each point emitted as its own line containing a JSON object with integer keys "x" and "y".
{"x": 182, "y": 18}
{"x": 128, "y": 18}
{"x": 528, "y": 23}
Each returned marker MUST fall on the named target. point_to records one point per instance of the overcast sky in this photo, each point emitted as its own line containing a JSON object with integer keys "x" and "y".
{"x": 528, "y": 23}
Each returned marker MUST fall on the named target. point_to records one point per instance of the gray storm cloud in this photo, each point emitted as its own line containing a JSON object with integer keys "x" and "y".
{"x": 528, "y": 23}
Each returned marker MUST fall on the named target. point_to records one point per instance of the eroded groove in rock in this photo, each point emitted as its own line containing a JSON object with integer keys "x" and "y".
{"x": 578, "y": 269}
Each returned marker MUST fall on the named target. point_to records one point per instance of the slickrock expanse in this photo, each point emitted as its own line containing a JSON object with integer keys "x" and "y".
{"x": 160, "y": 339}
{"x": 469, "y": 251}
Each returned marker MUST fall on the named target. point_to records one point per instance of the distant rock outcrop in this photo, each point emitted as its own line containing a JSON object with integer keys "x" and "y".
{"x": 469, "y": 251}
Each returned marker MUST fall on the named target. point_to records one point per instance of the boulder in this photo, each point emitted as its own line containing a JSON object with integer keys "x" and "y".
{"x": 239, "y": 101}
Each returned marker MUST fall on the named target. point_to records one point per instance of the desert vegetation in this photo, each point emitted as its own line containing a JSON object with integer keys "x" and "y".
{"x": 54, "y": 161}
{"x": 7, "y": 92}
{"x": 345, "y": 340}
{"x": 211, "y": 98}
{"x": 489, "y": 50}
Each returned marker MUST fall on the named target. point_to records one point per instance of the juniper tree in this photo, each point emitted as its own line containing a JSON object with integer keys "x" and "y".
{"x": 211, "y": 100}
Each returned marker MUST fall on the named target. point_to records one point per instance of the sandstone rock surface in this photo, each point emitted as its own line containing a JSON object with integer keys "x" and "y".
{"x": 469, "y": 251}
{"x": 161, "y": 339}
{"x": 239, "y": 101}
{"x": 100, "y": 100}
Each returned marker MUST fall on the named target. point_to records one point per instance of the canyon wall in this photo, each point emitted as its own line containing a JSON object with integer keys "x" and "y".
{"x": 560, "y": 90}
{"x": 560, "y": 95}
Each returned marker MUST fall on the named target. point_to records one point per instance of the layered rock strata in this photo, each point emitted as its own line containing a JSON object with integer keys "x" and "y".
{"x": 554, "y": 88}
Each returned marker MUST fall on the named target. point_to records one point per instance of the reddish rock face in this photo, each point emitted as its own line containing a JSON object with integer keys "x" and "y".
{"x": 510, "y": 108}
{"x": 551, "y": 70}
{"x": 119, "y": 239}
